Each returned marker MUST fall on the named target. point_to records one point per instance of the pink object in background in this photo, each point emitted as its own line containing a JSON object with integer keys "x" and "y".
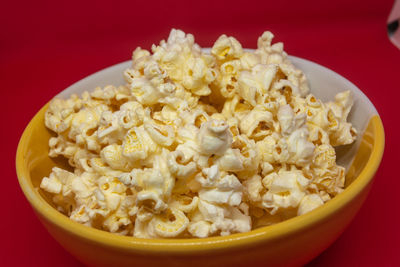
{"x": 393, "y": 24}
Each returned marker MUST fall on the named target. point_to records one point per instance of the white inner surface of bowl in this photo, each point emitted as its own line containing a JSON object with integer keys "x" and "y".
{"x": 324, "y": 84}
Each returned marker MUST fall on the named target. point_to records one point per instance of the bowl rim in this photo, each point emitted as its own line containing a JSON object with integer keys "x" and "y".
{"x": 193, "y": 245}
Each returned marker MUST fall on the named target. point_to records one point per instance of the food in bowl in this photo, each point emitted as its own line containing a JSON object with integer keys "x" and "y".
{"x": 197, "y": 144}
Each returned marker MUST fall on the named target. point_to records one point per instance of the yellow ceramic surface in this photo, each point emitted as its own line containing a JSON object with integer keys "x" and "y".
{"x": 292, "y": 242}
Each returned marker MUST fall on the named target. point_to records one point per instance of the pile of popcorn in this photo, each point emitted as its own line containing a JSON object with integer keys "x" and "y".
{"x": 197, "y": 143}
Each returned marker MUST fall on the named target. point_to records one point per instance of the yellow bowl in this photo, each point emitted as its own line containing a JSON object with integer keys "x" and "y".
{"x": 290, "y": 243}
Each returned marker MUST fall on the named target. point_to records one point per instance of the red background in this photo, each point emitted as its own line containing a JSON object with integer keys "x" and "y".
{"x": 45, "y": 46}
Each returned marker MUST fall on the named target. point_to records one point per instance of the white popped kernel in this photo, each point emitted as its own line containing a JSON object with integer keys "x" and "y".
{"x": 214, "y": 137}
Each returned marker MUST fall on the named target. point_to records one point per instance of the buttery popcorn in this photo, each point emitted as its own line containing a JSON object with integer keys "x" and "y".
{"x": 197, "y": 144}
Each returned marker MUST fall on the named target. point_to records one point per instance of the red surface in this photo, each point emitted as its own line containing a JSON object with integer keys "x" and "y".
{"x": 45, "y": 46}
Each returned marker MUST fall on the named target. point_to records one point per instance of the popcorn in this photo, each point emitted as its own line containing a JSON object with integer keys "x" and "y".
{"x": 300, "y": 149}
{"x": 184, "y": 203}
{"x": 226, "y": 48}
{"x": 257, "y": 123}
{"x": 288, "y": 121}
{"x": 112, "y": 155}
{"x": 58, "y": 176}
{"x": 219, "y": 190}
{"x": 224, "y": 220}
{"x": 138, "y": 144}
{"x": 309, "y": 203}
{"x": 51, "y": 185}
{"x": 253, "y": 188}
{"x": 58, "y": 116}
{"x": 152, "y": 185}
{"x": 214, "y": 137}
{"x": 162, "y": 226}
{"x": 197, "y": 144}
{"x": 163, "y": 135}
{"x": 231, "y": 161}
{"x": 285, "y": 190}
{"x": 228, "y": 80}
{"x": 199, "y": 229}
{"x": 180, "y": 166}
{"x": 248, "y": 153}
{"x": 254, "y": 84}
